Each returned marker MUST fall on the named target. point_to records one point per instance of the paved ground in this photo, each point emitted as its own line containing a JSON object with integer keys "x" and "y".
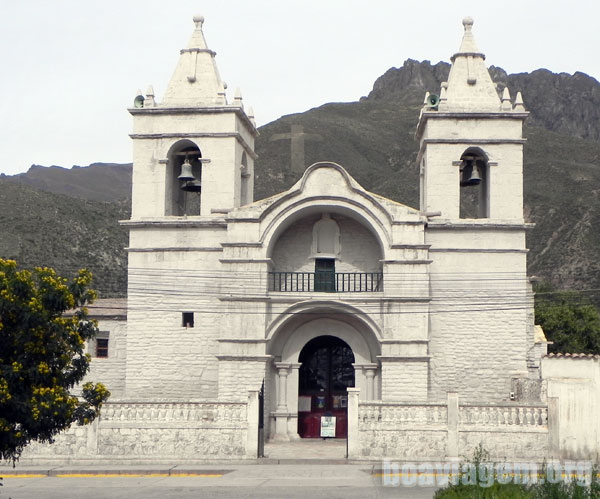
{"x": 242, "y": 481}
{"x": 307, "y": 448}
{"x": 304, "y": 469}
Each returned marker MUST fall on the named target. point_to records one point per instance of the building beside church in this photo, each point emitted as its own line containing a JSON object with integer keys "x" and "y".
{"x": 413, "y": 327}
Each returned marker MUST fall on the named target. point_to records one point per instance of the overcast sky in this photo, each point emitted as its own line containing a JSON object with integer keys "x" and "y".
{"x": 70, "y": 68}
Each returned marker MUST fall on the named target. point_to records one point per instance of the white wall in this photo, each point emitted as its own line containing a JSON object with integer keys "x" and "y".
{"x": 574, "y": 400}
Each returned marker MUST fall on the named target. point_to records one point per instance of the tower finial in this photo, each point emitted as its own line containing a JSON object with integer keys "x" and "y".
{"x": 199, "y": 21}
{"x": 468, "y": 24}
{"x": 506, "y": 103}
{"x": 237, "y": 99}
{"x": 519, "y": 106}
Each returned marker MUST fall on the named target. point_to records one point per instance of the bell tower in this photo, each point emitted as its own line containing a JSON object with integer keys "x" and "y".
{"x": 193, "y": 162}
{"x": 471, "y": 143}
{"x": 471, "y": 186}
{"x": 193, "y": 153}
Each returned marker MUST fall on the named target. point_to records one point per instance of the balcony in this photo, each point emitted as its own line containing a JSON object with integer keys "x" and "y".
{"x": 326, "y": 282}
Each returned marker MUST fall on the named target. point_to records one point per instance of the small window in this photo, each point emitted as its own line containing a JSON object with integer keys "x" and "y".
{"x": 187, "y": 319}
{"x": 102, "y": 347}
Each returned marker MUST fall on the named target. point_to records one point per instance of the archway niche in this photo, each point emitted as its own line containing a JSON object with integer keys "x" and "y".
{"x": 183, "y": 179}
{"x": 474, "y": 184}
{"x": 351, "y": 349}
{"x": 244, "y": 180}
{"x": 326, "y": 250}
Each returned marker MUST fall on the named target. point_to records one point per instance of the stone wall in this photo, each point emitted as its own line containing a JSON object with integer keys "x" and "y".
{"x": 156, "y": 432}
{"x": 110, "y": 370}
{"x": 480, "y": 317}
{"x": 165, "y": 359}
{"x": 441, "y": 431}
{"x": 573, "y": 389}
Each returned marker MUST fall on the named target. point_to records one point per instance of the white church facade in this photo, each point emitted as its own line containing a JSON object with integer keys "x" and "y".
{"x": 413, "y": 327}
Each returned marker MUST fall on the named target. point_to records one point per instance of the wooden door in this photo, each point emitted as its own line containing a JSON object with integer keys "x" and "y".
{"x": 324, "y": 376}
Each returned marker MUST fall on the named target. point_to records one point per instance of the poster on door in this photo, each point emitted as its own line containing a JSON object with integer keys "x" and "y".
{"x": 328, "y": 426}
{"x": 304, "y": 403}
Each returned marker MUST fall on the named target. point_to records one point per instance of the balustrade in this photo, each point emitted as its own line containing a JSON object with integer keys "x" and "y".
{"x": 503, "y": 415}
{"x": 338, "y": 282}
{"x": 159, "y": 412}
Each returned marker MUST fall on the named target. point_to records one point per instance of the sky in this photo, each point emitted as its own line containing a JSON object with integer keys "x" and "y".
{"x": 71, "y": 68}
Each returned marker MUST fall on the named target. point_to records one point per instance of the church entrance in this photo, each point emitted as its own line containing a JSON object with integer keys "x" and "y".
{"x": 324, "y": 375}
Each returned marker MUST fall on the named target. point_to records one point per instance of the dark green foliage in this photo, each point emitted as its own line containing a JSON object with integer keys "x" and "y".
{"x": 568, "y": 319}
{"x": 480, "y": 482}
{"x": 496, "y": 491}
{"x": 42, "y": 356}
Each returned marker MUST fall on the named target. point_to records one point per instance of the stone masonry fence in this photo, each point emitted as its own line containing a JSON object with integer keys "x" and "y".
{"x": 404, "y": 430}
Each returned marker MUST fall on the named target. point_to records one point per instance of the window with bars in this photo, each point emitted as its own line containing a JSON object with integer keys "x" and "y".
{"x": 102, "y": 347}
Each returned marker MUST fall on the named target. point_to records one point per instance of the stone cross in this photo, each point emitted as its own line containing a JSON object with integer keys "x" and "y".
{"x": 297, "y": 137}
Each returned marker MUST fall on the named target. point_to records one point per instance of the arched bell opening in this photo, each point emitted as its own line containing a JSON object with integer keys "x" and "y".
{"x": 184, "y": 179}
{"x": 474, "y": 184}
{"x": 326, "y": 372}
{"x": 244, "y": 180}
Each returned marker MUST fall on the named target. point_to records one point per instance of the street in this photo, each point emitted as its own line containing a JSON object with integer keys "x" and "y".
{"x": 245, "y": 481}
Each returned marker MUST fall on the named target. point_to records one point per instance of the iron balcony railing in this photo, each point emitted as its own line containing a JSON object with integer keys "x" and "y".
{"x": 328, "y": 282}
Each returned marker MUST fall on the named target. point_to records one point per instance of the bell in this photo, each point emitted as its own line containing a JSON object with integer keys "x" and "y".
{"x": 186, "y": 171}
{"x": 192, "y": 186}
{"x": 472, "y": 171}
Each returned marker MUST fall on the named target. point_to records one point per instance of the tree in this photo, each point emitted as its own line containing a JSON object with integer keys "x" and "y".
{"x": 42, "y": 356}
{"x": 568, "y": 319}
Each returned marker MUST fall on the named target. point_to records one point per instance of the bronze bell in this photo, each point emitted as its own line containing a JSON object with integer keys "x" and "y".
{"x": 470, "y": 173}
{"x": 192, "y": 186}
{"x": 186, "y": 171}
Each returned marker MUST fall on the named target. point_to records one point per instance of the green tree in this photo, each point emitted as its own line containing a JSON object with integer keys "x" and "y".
{"x": 42, "y": 356}
{"x": 568, "y": 319}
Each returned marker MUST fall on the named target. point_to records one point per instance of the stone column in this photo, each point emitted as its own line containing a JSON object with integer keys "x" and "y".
{"x": 554, "y": 427}
{"x": 364, "y": 378}
{"x": 370, "y": 375}
{"x": 282, "y": 374}
{"x": 353, "y": 438}
{"x": 92, "y": 437}
{"x": 292, "y": 401}
{"x": 282, "y": 413}
{"x": 252, "y": 441}
{"x": 452, "y": 448}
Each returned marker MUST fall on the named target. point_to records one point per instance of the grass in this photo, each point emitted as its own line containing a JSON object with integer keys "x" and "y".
{"x": 479, "y": 479}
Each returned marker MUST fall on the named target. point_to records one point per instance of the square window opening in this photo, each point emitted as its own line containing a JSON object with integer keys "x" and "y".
{"x": 187, "y": 319}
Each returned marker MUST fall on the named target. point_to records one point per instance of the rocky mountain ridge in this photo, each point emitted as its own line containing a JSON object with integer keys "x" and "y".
{"x": 374, "y": 140}
{"x": 563, "y": 103}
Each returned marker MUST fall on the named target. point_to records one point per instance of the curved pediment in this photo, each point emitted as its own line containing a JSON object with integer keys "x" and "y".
{"x": 328, "y": 180}
{"x": 327, "y": 187}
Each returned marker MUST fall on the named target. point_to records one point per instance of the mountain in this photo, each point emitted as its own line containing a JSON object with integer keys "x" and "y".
{"x": 562, "y": 103}
{"x": 96, "y": 182}
{"x": 41, "y": 228}
{"x": 374, "y": 140}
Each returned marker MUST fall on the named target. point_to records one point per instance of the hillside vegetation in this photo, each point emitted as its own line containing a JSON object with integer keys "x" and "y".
{"x": 374, "y": 140}
{"x": 45, "y": 229}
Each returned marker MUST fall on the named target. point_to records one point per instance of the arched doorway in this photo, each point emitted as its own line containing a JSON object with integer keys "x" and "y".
{"x": 325, "y": 373}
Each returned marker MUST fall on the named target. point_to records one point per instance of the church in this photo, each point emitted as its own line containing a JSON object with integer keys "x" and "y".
{"x": 328, "y": 310}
